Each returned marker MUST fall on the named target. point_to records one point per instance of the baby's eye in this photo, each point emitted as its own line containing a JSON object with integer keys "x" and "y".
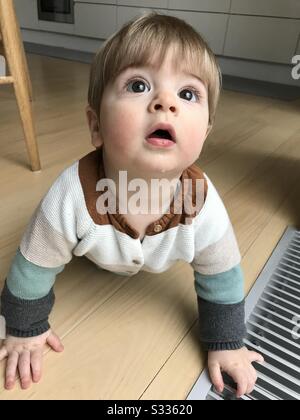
{"x": 137, "y": 86}
{"x": 191, "y": 95}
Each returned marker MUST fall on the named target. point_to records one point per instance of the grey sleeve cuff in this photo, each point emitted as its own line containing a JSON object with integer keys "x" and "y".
{"x": 222, "y": 327}
{"x": 26, "y": 318}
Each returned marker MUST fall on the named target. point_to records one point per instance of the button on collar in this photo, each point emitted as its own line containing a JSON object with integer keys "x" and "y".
{"x": 158, "y": 228}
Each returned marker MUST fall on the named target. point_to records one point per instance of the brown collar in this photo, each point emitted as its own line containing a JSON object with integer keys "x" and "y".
{"x": 91, "y": 170}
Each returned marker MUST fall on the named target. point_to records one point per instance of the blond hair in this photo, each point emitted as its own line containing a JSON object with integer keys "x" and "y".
{"x": 138, "y": 41}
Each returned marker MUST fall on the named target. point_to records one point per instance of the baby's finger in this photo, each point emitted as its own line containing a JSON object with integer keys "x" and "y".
{"x": 216, "y": 377}
{"x": 36, "y": 364}
{"x": 251, "y": 380}
{"x": 54, "y": 342}
{"x": 253, "y": 374}
{"x": 241, "y": 381}
{"x": 24, "y": 369}
{"x": 255, "y": 357}
{"x": 11, "y": 370}
{"x": 3, "y": 353}
{"x": 250, "y": 386}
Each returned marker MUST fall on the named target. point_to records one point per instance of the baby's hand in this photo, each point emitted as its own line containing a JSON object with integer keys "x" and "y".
{"x": 25, "y": 355}
{"x": 237, "y": 364}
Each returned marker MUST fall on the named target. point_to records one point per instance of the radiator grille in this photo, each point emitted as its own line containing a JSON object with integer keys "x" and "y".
{"x": 273, "y": 329}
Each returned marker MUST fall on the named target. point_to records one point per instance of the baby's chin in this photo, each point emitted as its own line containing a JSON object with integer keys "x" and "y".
{"x": 160, "y": 170}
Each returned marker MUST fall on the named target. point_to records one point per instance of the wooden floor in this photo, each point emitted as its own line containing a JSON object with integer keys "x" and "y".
{"x": 136, "y": 338}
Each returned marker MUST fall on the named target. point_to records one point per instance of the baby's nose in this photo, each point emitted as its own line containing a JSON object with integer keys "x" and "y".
{"x": 164, "y": 103}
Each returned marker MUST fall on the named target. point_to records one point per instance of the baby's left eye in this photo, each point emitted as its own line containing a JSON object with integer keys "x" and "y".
{"x": 137, "y": 86}
{"x": 189, "y": 94}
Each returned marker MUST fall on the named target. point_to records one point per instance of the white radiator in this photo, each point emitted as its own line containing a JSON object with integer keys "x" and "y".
{"x": 273, "y": 329}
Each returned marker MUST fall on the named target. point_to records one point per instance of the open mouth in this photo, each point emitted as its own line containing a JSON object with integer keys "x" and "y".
{"x": 162, "y": 134}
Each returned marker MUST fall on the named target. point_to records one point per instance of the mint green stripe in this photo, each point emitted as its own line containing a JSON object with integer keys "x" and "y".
{"x": 226, "y": 288}
{"x": 29, "y": 281}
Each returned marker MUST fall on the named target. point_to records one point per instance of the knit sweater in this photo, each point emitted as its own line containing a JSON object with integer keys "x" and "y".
{"x": 68, "y": 222}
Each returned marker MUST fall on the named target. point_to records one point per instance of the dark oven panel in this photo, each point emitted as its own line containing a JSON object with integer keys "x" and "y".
{"x": 56, "y": 10}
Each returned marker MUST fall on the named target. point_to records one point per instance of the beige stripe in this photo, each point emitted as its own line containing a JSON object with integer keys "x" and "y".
{"x": 43, "y": 245}
{"x": 219, "y": 257}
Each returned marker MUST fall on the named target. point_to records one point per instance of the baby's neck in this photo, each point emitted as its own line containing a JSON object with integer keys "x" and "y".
{"x": 156, "y": 199}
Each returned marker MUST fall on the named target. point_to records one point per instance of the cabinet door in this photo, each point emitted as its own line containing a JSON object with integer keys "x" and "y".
{"x": 212, "y": 26}
{"x": 281, "y": 8}
{"x": 144, "y": 3}
{"x": 96, "y": 1}
{"x": 125, "y": 14}
{"x": 95, "y": 20}
{"x": 201, "y": 5}
{"x": 27, "y": 13}
{"x": 259, "y": 38}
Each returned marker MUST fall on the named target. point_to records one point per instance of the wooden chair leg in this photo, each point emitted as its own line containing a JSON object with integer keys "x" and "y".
{"x": 15, "y": 56}
{"x": 26, "y": 114}
{"x": 25, "y": 65}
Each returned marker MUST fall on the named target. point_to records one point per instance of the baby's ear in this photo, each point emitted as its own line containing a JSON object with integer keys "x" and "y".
{"x": 93, "y": 124}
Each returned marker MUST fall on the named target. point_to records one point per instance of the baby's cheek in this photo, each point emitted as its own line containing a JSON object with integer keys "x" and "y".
{"x": 116, "y": 133}
{"x": 123, "y": 128}
{"x": 120, "y": 138}
{"x": 194, "y": 147}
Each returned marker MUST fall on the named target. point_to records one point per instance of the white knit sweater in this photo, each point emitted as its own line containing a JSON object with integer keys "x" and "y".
{"x": 67, "y": 222}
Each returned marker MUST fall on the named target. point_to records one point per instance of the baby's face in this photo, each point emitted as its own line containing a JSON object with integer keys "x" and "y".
{"x": 137, "y": 102}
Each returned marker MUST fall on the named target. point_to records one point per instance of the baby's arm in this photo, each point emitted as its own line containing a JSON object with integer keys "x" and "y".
{"x": 222, "y": 329}
{"x": 219, "y": 283}
{"x": 27, "y": 297}
{"x": 26, "y": 301}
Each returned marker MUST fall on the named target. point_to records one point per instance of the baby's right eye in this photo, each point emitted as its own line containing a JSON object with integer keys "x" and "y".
{"x": 137, "y": 86}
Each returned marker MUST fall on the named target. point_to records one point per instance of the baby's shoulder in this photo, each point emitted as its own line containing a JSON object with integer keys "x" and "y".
{"x": 64, "y": 191}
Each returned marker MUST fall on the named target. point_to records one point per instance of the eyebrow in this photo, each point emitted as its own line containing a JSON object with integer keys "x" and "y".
{"x": 194, "y": 76}
{"x": 151, "y": 66}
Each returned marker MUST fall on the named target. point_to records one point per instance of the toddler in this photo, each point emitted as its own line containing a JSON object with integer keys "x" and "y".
{"x": 153, "y": 93}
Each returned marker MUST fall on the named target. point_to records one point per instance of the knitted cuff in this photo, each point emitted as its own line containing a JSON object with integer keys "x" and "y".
{"x": 26, "y": 318}
{"x": 222, "y": 327}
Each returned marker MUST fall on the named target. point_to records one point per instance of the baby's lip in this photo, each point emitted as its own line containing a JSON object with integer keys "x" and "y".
{"x": 163, "y": 126}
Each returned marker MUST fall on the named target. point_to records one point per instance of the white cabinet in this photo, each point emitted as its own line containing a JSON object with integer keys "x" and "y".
{"x": 259, "y": 38}
{"x": 27, "y": 13}
{"x": 97, "y": 1}
{"x": 163, "y": 4}
{"x": 95, "y": 20}
{"x": 212, "y": 26}
{"x": 280, "y": 8}
{"x": 125, "y": 14}
{"x": 136, "y": 3}
{"x": 221, "y": 6}
{"x": 257, "y": 30}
